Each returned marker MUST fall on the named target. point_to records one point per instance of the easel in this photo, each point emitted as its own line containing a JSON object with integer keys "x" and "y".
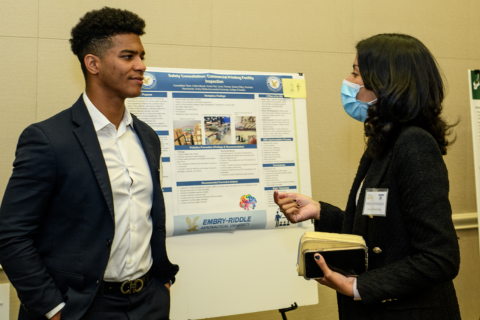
{"x": 282, "y": 311}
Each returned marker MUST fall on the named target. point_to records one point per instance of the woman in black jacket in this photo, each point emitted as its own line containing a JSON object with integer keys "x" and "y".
{"x": 397, "y": 91}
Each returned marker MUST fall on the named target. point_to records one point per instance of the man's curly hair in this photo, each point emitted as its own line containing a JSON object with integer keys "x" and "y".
{"x": 93, "y": 33}
{"x": 407, "y": 82}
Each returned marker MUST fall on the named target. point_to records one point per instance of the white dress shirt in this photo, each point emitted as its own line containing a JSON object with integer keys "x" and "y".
{"x": 132, "y": 189}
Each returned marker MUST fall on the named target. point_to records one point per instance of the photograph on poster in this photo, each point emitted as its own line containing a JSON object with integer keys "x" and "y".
{"x": 187, "y": 132}
{"x": 245, "y": 130}
{"x": 217, "y": 130}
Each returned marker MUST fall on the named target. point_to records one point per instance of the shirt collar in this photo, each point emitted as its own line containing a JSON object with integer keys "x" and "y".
{"x": 99, "y": 120}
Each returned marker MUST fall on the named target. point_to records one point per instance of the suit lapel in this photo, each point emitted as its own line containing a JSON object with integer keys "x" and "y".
{"x": 377, "y": 170}
{"x": 374, "y": 176}
{"x": 153, "y": 162}
{"x": 158, "y": 206}
{"x": 350, "y": 222}
{"x": 88, "y": 139}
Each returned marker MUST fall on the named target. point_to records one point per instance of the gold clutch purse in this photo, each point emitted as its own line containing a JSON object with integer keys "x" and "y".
{"x": 346, "y": 254}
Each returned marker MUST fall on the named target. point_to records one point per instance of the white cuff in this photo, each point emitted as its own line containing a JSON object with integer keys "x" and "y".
{"x": 356, "y": 294}
{"x": 55, "y": 310}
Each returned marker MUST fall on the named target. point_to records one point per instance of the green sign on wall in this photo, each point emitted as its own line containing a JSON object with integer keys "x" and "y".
{"x": 475, "y": 75}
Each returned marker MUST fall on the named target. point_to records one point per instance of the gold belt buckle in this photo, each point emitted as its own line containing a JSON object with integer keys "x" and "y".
{"x": 134, "y": 286}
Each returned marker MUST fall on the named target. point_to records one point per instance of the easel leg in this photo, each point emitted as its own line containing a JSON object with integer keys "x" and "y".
{"x": 282, "y": 311}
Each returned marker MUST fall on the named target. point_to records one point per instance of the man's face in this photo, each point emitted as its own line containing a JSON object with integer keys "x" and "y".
{"x": 121, "y": 68}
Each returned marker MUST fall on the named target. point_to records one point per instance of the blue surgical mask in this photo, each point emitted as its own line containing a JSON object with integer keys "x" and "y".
{"x": 355, "y": 108}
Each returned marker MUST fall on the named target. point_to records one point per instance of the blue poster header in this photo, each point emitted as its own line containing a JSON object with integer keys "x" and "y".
{"x": 216, "y": 182}
{"x": 266, "y": 165}
{"x": 271, "y": 96}
{"x": 212, "y": 82}
{"x": 217, "y": 147}
{"x": 153, "y": 95}
{"x": 277, "y": 139}
{"x": 281, "y": 188}
{"x": 212, "y": 96}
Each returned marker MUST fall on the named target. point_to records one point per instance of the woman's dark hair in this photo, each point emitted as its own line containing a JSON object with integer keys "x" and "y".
{"x": 405, "y": 77}
{"x": 93, "y": 33}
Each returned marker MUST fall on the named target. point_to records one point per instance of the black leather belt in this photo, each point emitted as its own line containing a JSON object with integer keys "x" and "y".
{"x": 129, "y": 286}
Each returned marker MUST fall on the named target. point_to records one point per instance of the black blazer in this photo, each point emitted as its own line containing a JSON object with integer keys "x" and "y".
{"x": 416, "y": 252}
{"x": 57, "y": 216}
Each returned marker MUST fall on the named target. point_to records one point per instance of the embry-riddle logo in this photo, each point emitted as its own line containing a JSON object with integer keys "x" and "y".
{"x": 149, "y": 80}
{"x": 192, "y": 225}
{"x": 274, "y": 83}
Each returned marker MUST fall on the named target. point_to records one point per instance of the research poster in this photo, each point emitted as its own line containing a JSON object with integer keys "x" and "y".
{"x": 229, "y": 139}
{"x": 474, "y": 84}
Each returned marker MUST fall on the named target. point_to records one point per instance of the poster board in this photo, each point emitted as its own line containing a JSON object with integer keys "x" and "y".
{"x": 474, "y": 91}
{"x": 241, "y": 272}
{"x": 223, "y": 271}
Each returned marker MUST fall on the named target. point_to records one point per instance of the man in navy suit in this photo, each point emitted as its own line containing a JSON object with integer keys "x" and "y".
{"x": 82, "y": 221}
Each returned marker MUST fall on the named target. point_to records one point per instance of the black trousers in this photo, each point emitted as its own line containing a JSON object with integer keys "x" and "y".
{"x": 152, "y": 303}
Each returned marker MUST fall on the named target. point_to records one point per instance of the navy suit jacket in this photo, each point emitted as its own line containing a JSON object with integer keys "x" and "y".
{"x": 57, "y": 216}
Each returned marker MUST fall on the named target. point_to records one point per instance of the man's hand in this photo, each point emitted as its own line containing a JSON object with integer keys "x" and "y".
{"x": 297, "y": 207}
{"x": 168, "y": 286}
{"x": 334, "y": 280}
{"x": 56, "y": 316}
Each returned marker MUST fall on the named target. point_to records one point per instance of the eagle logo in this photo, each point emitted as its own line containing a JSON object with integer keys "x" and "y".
{"x": 192, "y": 225}
{"x": 274, "y": 83}
{"x": 147, "y": 81}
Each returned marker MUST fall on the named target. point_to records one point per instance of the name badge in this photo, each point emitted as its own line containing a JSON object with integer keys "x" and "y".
{"x": 375, "y": 202}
